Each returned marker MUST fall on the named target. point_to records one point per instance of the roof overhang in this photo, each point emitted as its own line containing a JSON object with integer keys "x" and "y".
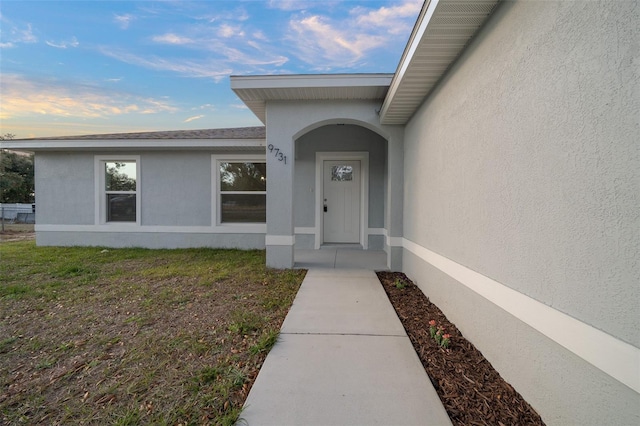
{"x": 256, "y": 91}
{"x": 237, "y": 138}
{"x": 121, "y": 145}
{"x": 443, "y": 30}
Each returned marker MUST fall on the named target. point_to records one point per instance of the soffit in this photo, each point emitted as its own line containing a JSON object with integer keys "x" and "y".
{"x": 256, "y": 91}
{"x": 444, "y": 28}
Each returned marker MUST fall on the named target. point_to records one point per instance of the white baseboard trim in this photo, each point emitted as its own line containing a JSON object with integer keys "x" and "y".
{"x": 618, "y": 359}
{"x": 123, "y": 227}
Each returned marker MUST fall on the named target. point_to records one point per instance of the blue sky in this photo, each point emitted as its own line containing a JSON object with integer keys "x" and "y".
{"x": 85, "y": 67}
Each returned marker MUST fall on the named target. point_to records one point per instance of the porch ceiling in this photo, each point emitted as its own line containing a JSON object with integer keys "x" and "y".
{"x": 443, "y": 30}
{"x": 255, "y": 91}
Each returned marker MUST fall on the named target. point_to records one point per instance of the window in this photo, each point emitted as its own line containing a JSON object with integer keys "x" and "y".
{"x": 120, "y": 189}
{"x": 118, "y": 186}
{"x": 341, "y": 173}
{"x": 243, "y": 192}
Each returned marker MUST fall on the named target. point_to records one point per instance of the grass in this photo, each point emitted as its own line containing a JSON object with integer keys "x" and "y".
{"x": 18, "y": 227}
{"x": 134, "y": 336}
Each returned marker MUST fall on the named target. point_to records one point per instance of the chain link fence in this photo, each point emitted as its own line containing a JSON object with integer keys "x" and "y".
{"x": 17, "y": 213}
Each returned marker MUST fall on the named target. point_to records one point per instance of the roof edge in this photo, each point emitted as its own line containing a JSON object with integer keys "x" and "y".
{"x": 237, "y": 133}
{"x": 428, "y": 8}
{"x": 284, "y": 81}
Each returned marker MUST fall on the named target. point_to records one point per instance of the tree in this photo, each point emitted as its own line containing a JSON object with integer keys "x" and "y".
{"x": 243, "y": 176}
{"x": 118, "y": 179}
{"x": 7, "y": 137}
{"x": 16, "y": 176}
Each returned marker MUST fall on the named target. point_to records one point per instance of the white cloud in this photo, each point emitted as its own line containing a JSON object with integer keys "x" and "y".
{"x": 395, "y": 19}
{"x": 217, "y": 56}
{"x": 15, "y": 35}
{"x": 208, "y": 107}
{"x": 64, "y": 44}
{"x": 326, "y": 41}
{"x": 322, "y": 43}
{"x": 22, "y": 97}
{"x": 259, "y": 35}
{"x": 188, "y": 68}
{"x": 124, "y": 21}
{"x": 195, "y": 117}
{"x": 228, "y": 31}
{"x": 291, "y": 5}
{"x": 171, "y": 38}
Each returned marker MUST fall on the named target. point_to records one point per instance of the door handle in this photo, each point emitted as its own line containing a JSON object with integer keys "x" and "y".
{"x": 325, "y": 208}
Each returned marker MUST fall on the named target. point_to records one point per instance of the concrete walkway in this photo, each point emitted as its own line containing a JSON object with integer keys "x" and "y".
{"x": 343, "y": 358}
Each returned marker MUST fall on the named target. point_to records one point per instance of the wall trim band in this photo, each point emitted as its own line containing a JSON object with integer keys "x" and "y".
{"x": 115, "y": 228}
{"x": 616, "y": 358}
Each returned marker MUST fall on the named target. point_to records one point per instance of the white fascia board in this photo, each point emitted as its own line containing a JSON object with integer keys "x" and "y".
{"x": 309, "y": 80}
{"x": 416, "y": 36}
{"x": 131, "y": 144}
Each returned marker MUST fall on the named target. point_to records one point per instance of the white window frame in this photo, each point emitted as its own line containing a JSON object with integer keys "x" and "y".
{"x": 216, "y": 205}
{"x": 101, "y": 192}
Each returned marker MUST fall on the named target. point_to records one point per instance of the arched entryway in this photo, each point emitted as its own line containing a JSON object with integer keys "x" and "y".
{"x": 339, "y": 190}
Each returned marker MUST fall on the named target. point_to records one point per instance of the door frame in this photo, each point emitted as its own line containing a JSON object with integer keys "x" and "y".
{"x": 363, "y": 157}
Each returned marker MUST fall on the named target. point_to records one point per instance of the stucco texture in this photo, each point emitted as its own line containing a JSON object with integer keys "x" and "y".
{"x": 64, "y": 188}
{"x": 176, "y": 189}
{"x": 524, "y": 163}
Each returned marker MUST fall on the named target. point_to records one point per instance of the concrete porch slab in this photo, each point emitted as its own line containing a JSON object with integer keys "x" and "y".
{"x": 332, "y": 257}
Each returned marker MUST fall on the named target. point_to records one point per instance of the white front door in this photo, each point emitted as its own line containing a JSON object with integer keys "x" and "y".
{"x": 341, "y": 195}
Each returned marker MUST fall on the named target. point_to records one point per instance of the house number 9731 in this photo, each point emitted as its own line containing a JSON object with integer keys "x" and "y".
{"x": 277, "y": 153}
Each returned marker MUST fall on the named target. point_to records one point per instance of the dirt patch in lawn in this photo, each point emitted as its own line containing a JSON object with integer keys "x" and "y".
{"x": 17, "y": 232}
{"x": 472, "y": 391}
{"x": 133, "y": 336}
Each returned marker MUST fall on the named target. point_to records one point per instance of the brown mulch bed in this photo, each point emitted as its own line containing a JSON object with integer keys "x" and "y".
{"x": 471, "y": 390}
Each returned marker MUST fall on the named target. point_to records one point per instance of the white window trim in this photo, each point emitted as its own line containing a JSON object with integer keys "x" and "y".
{"x": 216, "y": 159}
{"x": 100, "y": 192}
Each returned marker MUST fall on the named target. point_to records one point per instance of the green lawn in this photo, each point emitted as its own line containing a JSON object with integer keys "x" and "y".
{"x": 131, "y": 336}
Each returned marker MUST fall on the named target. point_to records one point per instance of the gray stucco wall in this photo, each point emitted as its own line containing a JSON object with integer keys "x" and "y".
{"x": 64, "y": 188}
{"x": 523, "y": 165}
{"x": 174, "y": 189}
{"x": 338, "y": 138}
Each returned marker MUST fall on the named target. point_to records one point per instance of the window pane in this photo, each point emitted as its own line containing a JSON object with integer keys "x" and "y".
{"x": 120, "y": 176}
{"x": 239, "y": 208}
{"x": 243, "y": 176}
{"x": 121, "y": 207}
{"x": 341, "y": 173}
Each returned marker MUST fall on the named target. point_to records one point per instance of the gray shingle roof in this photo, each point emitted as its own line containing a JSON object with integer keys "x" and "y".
{"x": 231, "y": 133}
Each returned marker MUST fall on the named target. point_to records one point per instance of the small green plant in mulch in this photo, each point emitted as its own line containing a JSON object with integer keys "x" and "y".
{"x": 399, "y": 283}
{"x": 134, "y": 336}
{"x": 438, "y": 334}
